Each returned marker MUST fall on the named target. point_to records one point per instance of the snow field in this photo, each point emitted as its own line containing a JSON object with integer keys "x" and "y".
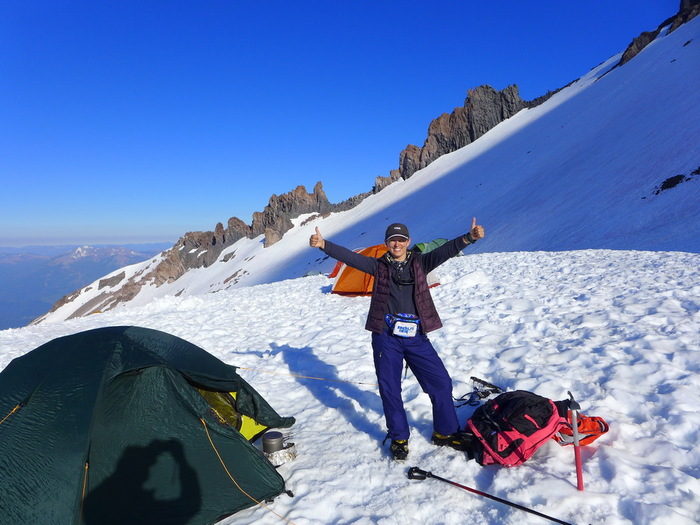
{"x": 619, "y": 329}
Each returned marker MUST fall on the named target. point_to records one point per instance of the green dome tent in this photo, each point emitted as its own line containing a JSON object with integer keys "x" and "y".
{"x": 425, "y": 247}
{"x": 127, "y": 425}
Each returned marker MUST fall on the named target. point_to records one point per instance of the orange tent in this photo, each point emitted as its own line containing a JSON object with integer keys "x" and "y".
{"x": 353, "y": 282}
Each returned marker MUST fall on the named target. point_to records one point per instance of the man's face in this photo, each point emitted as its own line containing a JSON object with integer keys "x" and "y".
{"x": 398, "y": 246}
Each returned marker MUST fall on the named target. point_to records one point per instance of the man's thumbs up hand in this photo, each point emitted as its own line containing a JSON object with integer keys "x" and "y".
{"x": 316, "y": 240}
{"x": 477, "y": 231}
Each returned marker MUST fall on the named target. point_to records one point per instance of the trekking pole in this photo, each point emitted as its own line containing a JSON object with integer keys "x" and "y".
{"x": 416, "y": 473}
{"x": 575, "y": 407}
{"x": 496, "y": 389}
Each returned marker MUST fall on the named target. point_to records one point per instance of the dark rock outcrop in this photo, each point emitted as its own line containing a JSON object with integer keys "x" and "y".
{"x": 202, "y": 249}
{"x": 483, "y": 109}
{"x": 112, "y": 281}
{"x": 237, "y": 229}
{"x": 689, "y": 9}
{"x": 350, "y": 203}
{"x": 277, "y": 215}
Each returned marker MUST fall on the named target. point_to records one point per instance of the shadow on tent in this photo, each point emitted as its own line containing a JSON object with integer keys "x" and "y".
{"x": 131, "y": 495}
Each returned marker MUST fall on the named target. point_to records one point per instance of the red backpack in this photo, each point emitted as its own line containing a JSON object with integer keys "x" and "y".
{"x": 513, "y": 425}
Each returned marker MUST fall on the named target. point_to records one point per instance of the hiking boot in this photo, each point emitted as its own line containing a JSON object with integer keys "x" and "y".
{"x": 463, "y": 441}
{"x": 399, "y": 449}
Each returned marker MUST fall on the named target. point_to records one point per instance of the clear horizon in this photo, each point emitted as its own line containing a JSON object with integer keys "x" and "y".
{"x": 95, "y": 243}
{"x": 76, "y": 244}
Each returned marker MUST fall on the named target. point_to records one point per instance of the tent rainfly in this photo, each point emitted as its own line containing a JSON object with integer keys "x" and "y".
{"x": 130, "y": 425}
{"x": 352, "y": 282}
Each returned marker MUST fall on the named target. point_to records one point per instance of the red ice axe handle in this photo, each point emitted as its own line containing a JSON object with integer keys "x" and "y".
{"x": 575, "y": 407}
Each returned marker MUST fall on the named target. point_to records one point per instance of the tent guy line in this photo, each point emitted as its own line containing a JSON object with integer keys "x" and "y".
{"x": 228, "y": 472}
{"x": 305, "y": 377}
{"x": 17, "y": 407}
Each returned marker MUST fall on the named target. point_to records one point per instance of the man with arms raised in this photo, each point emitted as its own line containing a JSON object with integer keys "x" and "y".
{"x": 401, "y": 313}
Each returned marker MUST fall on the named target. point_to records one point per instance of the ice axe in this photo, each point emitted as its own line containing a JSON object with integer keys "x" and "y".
{"x": 418, "y": 474}
{"x": 575, "y": 407}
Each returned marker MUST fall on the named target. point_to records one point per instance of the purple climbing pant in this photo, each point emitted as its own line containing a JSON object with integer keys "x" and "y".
{"x": 389, "y": 353}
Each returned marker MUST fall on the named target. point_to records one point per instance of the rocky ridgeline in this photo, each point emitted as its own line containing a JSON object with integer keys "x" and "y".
{"x": 483, "y": 109}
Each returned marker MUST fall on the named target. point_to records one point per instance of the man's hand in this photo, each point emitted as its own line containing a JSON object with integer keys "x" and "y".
{"x": 477, "y": 231}
{"x": 316, "y": 240}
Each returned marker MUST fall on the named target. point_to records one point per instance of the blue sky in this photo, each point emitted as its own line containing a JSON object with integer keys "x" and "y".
{"x": 126, "y": 121}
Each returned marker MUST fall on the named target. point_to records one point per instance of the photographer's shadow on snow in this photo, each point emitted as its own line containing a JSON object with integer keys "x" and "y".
{"x": 150, "y": 484}
{"x": 328, "y": 387}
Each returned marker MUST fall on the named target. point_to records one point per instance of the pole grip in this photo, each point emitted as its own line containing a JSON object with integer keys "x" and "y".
{"x": 416, "y": 473}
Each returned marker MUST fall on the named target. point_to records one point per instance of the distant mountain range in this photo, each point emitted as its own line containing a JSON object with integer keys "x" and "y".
{"x": 32, "y": 279}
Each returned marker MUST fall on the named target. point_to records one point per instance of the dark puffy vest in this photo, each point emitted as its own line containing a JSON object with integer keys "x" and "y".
{"x": 429, "y": 318}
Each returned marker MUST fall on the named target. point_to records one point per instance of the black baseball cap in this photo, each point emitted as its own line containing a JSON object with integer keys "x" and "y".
{"x": 396, "y": 230}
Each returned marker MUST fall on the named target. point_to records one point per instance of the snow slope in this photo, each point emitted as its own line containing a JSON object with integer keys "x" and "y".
{"x": 580, "y": 171}
{"x": 620, "y": 329}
